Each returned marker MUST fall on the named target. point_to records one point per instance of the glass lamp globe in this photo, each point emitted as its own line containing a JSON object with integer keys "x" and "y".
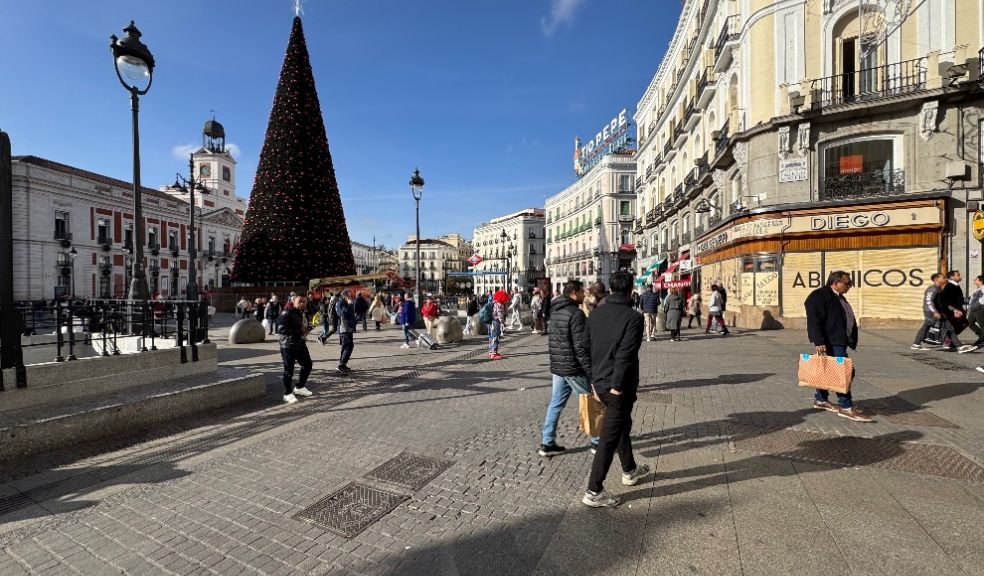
{"x": 134, "y": 71}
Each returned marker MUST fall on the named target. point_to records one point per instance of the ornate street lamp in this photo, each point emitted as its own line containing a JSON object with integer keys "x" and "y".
{"x": 71, "y": 258}
{"x": 135, "y": 69}
{"x": 417, "y": 190}
{"x": 189, "y": 186}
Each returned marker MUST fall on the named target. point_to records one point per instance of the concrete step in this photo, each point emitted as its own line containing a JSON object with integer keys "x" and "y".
{"x": 125, "y": 412}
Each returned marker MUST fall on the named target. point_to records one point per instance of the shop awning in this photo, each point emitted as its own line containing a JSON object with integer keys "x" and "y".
{"x": 675, "y": 265}
{"x": 667, "y": 284}
{"x": 655, "y": 265}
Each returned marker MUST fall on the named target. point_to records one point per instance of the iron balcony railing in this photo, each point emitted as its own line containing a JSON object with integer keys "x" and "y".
{"x": 869, "y": 84}
{"x": 698, "y": 230}
{"x": 866, "y": 184}
{"x": 62, "y": 235}
{"x": 714, "y": 219}
{"x": 686, "y": 238}
{"x": 723, "y": 139}
{"x": 729, "y": 33}
{"x": 677, "y": 193}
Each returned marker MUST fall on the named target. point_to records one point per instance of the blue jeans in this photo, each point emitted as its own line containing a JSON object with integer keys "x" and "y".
{"x": 823, "y": 395}
{"x": 406, "y": 334}
{"x": 563, "y": 386}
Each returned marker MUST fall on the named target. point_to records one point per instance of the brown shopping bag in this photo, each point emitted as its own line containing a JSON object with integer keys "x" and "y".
{"x": 826, "y": 372}
{"x": 592, "y": 414}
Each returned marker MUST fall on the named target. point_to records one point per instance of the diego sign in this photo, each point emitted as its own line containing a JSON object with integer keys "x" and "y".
{"x": 612, "y": 138}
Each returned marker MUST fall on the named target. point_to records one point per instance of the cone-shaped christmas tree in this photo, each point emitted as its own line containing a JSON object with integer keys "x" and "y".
{"x": 295, "y": 228}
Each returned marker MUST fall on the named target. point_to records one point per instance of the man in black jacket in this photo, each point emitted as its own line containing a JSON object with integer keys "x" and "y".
{"x": 950, "y": 302}
{"x": 347, "y": 323}
{"x": 292, "y": 328}
{"x": 616, "y": 335}
{"x": 832, "y": 328}
{"x": 570, "y": 360}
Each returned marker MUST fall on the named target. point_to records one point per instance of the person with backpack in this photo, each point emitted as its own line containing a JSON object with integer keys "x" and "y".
{"x": 493, "y": 314}
{"x": 407, "y": 317}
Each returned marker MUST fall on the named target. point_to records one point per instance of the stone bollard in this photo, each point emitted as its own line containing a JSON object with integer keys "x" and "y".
{"x": 247, "y": 331}
{"x": 448, "y": 330}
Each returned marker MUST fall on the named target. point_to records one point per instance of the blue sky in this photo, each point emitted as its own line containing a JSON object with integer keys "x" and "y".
{"x": 485, "y": 96}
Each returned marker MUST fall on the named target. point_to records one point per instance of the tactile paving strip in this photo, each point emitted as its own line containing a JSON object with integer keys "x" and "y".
{"x": 890, "y": 452}
{"x": 410, "y": 470}
{"x": 351, "y": 509}
{"x": 655, "y": 397}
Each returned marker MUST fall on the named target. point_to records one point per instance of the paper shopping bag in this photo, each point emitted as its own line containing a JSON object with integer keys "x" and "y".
{"x": 592, "y": 414}
{"x": 831, "y": 373}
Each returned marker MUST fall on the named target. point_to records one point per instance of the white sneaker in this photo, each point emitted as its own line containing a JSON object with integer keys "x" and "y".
{"x": 290, "y": 399}
{"x": 404, "y": 345}
{"x": 966, "y": 348}
{"x": 648, "y": 339}
{"x": 633, "y": 478}
{"x": 599, "y": 500}
{"x": 980, "y": 369}
{"x": 302, "y": 392}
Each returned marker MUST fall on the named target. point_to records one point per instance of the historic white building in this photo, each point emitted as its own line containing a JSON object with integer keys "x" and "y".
{"x": 366, "y": 258}
{"x": 437, "y": 257}
{"x": 73, "y": 233}
{"x": 589, "y": 224}
{"x": 512, "y": 248}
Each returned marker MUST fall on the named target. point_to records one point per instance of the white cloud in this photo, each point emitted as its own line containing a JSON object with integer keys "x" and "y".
{"x": 561, "y": 12}
{"x": 181, "y": 151}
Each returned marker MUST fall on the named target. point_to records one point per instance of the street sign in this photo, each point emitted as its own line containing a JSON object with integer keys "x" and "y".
{"x": 978, "y": 225}
{"x": 475, "y": 260}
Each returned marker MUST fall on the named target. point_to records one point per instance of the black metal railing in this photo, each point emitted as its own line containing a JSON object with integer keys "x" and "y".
{"x": 62, "y": 235}
{"x": 714, "y": 219}
{"x": 729, "y": 33}
{"x": 685, "y": 238}
{"x": 980, "y": 60}
{"x": 104, "y": 241}
{"x": 865, "y": 184}
{"x": 698, "y": 230}
{"x": 723, "y": 139}
{"x": 101, "y": 323}
{"x": 869, "y": 84}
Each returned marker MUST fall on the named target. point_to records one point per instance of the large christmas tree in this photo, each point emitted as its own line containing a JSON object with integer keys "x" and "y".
{"x": 295, "y": 227}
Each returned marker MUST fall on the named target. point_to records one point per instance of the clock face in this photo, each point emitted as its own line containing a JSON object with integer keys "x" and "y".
{"x": 205, "y": 171}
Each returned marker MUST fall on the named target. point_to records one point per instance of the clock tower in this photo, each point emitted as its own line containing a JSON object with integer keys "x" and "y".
{"x": 215, "y": 166}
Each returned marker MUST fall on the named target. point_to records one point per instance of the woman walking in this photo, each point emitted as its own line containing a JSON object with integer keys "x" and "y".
{"x": 715, "y": 311}
{"x": 471, "y": 309}
{"x": 693, "y": 310}
{"x": 536, "y": 306}
{"x": 673, "y": 308}
{"x": 499, "y": 300}
{"x": 377, "y": 311}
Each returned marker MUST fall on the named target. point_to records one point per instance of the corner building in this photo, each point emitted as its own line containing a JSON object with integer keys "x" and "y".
{"x": 780, "y": 141}
{"x": 589, "y": 224}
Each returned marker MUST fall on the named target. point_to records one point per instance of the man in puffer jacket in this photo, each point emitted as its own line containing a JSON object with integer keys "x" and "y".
{"x": 570, "y": 360}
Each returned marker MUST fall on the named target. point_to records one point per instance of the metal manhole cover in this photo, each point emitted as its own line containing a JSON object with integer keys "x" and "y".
{"x": 410, "y": 470}
{"x": 655, "y": 397}
{"x": 893, "y": 451}
{"x": 351, "y": 509}
{"x": 935, "y": 362}
{"x": 904, "y": 413}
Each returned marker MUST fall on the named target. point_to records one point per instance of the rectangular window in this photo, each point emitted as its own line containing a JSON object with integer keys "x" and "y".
{"x": 152, "y": 237}
{"x": 625, "y": 208}
{"x": 128, "y": 235}
{"x": 624, "y": 183}
{"x": 860, "y": 169}
{"x": 104, "y": 287}
{"x": 61, "y": 226}
{"x": 211, "y": 244}
{"x": 102, "y": 231}
{"x": 172, "y": 240}
{"x": 227, "y": 176}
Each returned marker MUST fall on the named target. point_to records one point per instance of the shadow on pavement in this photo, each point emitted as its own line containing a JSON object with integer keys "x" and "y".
{"x": 699, "y": 382}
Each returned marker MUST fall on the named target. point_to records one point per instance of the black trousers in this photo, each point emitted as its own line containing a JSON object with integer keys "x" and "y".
{"x": 300, "y": 355}
{"x": 348, "y": 344}
{"x": 614, "y": 439}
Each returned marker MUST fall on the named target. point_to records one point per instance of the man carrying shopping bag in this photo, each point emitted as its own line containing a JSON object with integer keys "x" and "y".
{"x": 832, "y": 328}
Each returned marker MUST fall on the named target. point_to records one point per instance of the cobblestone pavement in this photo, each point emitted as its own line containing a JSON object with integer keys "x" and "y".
{"x": 749, "y": 479}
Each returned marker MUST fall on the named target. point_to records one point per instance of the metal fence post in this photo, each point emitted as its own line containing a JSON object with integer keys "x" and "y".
{"x": 11, "y": 355}
{"x": 180, "y": 333}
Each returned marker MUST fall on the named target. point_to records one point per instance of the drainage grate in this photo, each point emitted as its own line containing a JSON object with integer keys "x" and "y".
{"x": 936, "y": 362}
{"x": 410, "y": 470}
{"x": 655, "y": 397}
{"x": 904, "y": 413}
{"x": 893, "y": 451}
{"x": 351, "y": 509}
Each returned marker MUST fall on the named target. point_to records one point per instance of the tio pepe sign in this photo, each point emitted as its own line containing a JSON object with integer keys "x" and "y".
{"x": 978, "y": 225}
{"x": 613, "y": 137}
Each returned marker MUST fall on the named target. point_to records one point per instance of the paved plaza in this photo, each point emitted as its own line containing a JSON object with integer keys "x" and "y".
{"x": 440, "y": 445}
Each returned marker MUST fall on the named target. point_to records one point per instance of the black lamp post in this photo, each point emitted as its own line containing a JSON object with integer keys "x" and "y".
{"x": 135, "y": 70}
{"x": 417, "y": 190}
{"x": 189, "y": 186}
{"x": 71, "y": 259}
{"x": 126, "y": 251}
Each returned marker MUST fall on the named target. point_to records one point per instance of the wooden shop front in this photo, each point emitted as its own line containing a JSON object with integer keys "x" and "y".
{"x": 770, "y": 260}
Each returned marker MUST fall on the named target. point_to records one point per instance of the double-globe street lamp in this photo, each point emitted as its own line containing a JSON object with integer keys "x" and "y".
{"x": 189, "y": 186}
{"x": 510, "y": 252}
{"x": 417, "y": 190}
{"x": 135, "y": 69}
